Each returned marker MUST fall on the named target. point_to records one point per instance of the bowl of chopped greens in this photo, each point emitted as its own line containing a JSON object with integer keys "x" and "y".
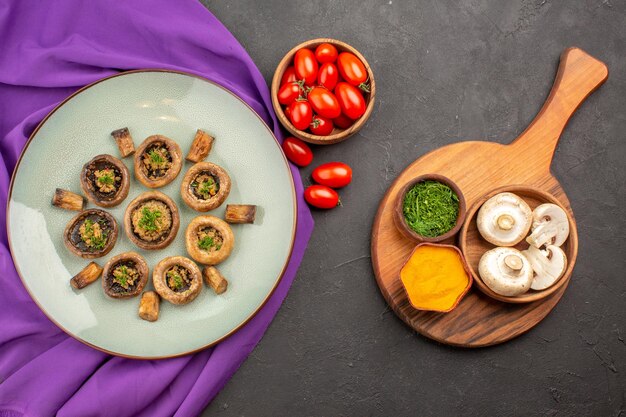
{"x": 429, "y": 208}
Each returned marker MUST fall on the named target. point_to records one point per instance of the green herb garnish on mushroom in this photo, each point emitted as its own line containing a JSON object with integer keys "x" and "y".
{"x": 120, "y": 275}
{"x": 206, "y": 243}
{"x": 149, "y": 219}
{"x": 93, "y": 234}
{"x": 175, "y": 280}
{"x": 106, "y": 179}
{"x": 430, "y": 208}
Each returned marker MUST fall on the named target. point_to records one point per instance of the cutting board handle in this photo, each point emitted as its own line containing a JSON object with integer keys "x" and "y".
{"x": 579, "y": 74}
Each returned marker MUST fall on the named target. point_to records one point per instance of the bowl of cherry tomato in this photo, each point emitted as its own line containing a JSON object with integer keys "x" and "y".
{"x": 323, "y": 91}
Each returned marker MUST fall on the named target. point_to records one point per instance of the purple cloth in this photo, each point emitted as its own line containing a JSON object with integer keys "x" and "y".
{"x": 47, "y": 51}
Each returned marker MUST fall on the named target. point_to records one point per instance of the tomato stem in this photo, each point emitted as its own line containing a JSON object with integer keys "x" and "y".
{"x": 365, "y": 87}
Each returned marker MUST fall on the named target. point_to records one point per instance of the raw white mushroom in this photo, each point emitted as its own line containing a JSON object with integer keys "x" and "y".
{"x": 504, "y": 219}
{"x": 548, "y": 265}
{"x": 550, "y": 226}
{"x": 506, "y": 271}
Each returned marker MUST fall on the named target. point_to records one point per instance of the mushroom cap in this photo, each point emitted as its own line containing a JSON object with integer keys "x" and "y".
{"x": 505, "y": 271}
{"x": 550, "y": 226}
{"x": 160, "y": 284}
{"x": 191, "y": 240}
{"x": 89, "y": 188}
{"x": 209, "y": 204}
{"x": 140, "y": 265}
{"x": 504, "y": 219}
{"x": 548, "y": 265}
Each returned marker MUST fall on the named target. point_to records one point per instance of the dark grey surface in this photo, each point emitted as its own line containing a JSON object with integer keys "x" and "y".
{"x": 446, "y": 71}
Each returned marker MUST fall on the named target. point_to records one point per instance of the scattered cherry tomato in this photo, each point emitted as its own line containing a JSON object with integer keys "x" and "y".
{"x": 333, "y": 174}
{"x": 324, "y": 102}
{"x": 288, "y": 112}
{"x": 305, "y": 66}
{"x": 350, "y": 100}
{"x": 328, "y": 76}
{"x": 288, "y": 93}
{"x": 321, "y": 196}
{"x": 297, "y": 151}
{"x": 343, "y": 121}
{"x": 289, "y": 76}
{"x": 325, "y": 52}
{"x": 301, "y": 114}
{"x": 321, "y": 126}
{"x": 352, "y": 69}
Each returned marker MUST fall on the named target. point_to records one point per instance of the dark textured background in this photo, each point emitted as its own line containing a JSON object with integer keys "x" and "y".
{"x": 446, "y": 71}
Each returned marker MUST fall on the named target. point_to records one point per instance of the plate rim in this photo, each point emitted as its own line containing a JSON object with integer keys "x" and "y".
{"x": 278, "y": 279}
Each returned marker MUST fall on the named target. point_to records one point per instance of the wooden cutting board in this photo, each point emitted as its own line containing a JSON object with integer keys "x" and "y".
{"x": 477, "y": 168}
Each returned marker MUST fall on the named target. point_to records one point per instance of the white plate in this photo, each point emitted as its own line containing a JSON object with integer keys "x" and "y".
{"x": 175, "y": 105}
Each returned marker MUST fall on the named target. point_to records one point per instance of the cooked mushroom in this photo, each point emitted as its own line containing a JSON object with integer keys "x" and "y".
{"x": 158, "y": 161}
{"x": 205, "y": 186}
{"x": 240, "y": 213}
{"x": 200, "y": 147}
{"x": 177, "y": 279}
{"x": 151, "y": 220}
{"x": 215, "y": 279}
{"x": 506, "y": 271}
{"x": 105, "y": 180}
{"x": 68, "y": 200}
{"x": 125, "y": 275}
{"x": 149, "y": 306}
{"x": 88, "y": 275}
{"x": 91, "y": 234}
{"x": 124, "y": 141}
{"x": 550, "y": 226}
{"x": 209, "y": 240}
{"x": 504, "y": 219}
{"x": 548, "y": 265}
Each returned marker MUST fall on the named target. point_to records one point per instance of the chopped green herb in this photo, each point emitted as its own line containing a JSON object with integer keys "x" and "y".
{"x": 156, "y": 157}
{"x": 430, "y": 208}
{"x": 106, "y": 179}
{"x": 177, "y": 279}
{"x": 122, "y": 276}
{"x": 206, "y": 243}
{"x": 89, "y": 237}
{"x": 148, "y": 220}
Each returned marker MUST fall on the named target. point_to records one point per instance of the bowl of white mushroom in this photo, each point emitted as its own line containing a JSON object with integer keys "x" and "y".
{"x": 520, "y": 244}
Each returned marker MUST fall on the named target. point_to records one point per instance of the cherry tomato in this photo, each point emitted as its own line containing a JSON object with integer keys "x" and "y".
{"x": 333, "y": 174}
{"x": 297, "y": 151}
{"x": 343, "y": 121}
{"x": 287, "y": 111}
{"x": 288, "y": 93}
{"x": 326, "y": 52}
{"x": 350, "y": 100}
{"x": 301, "y": 114}
{"x": 328, "y": 76}
{"x": 351, "y": 69}
{"x": 321, "y": 196}
{"x": 324, "y": 102}
{"x": 305, "y": 66}
{"x": 321, "y": 126}
{"x": 289, "y": 76}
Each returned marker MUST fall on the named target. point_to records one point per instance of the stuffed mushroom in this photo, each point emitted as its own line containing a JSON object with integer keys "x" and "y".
{"x": 151, "y": 220}
{"x": 125, "y": 275}
{"x": 91, "y": 234}
{"x": 205, "y": 186}
{"x": 158, "y": 161}
{"x": 105, "y": 180}
{"x": 177, "y": 279}
{"x": 209, "y": 240}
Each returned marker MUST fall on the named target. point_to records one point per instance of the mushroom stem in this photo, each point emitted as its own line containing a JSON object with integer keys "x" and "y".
{"x": 505, "y": 222}
{"x": 514, "y": 262}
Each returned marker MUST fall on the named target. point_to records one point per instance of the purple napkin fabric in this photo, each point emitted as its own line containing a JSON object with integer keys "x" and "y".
{"x": 48, "y": 49}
